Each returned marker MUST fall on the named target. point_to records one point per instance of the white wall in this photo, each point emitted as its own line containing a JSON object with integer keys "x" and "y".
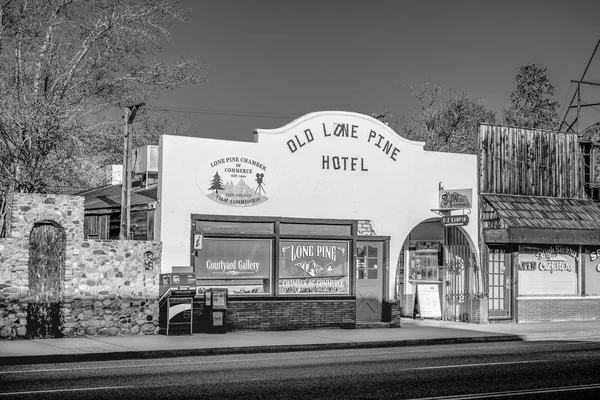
{"x": 395, "y": 194}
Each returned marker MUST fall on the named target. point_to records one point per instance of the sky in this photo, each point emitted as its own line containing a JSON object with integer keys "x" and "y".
{"x": 269, "y": 62}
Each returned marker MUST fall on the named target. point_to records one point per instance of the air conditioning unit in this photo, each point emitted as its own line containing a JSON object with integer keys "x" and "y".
{"x": 113, "y": 174}
{"x": 145, "y": 159}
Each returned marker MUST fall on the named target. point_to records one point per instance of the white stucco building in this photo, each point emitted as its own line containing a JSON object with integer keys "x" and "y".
{"x": 331, "y": 210}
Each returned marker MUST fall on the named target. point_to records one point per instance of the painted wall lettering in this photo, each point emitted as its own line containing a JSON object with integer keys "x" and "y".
{"x": 378, "y": 140}
{"x": 594, "y": 255}
{"x": 345, "y": 131}
{"x": 344, "y": 163}
{"x": 300, "y": 140}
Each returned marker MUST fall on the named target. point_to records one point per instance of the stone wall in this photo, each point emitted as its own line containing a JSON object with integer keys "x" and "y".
{"x": 109, "y": 288}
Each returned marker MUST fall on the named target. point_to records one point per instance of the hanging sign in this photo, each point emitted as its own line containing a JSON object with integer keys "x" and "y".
{"x": 455, "y": 220}
{"x": 456, "y": 198}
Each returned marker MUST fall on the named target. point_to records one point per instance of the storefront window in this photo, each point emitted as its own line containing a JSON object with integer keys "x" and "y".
{"x": 592, "y": 271}
{"x": 241, "y": 265}
{"x": 425, "y": 260}
{"x": 547, "y": 270}
{"x": 313, "y": 267}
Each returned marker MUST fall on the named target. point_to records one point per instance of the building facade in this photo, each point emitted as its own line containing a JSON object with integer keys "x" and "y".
{"x": 540, "y": 225}
{"x": 329, "y": 220}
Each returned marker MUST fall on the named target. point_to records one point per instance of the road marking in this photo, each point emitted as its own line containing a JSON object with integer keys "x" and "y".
{"x": 473, "y": 365}
{"x": 66, "y": 390}
{"x": 522, "y": 392}
{"x": 291, "y": 356}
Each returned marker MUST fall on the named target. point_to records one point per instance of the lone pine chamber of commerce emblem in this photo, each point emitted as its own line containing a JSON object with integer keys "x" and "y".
{"x": 235, "y": 181}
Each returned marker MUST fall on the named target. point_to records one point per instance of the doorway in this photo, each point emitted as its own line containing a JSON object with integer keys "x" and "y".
{"x": 47, "y": 244}
{"x": 499, "y": 279}
{"x": 370, "y": 277}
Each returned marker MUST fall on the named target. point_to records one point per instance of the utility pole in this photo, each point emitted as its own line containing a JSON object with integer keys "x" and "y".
{"x": 130, "y": 112}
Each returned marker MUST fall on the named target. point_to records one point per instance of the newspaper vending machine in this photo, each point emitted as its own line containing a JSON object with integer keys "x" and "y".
{"x": 176, "y": 294}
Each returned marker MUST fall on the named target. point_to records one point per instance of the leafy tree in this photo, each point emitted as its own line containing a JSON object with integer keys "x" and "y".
{"x": 532, "y": 102}
{"x": 449, "y": 125}
{"x": 67, "y": 68}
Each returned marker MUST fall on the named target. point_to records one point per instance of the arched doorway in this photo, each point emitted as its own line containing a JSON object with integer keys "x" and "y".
{"x": 462, "y": 274}
{"x": 443, "y": 261}
{"x": 47, "y": 245}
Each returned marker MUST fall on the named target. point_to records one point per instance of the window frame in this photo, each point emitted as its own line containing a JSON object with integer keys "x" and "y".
{"x": 276, "y": 237}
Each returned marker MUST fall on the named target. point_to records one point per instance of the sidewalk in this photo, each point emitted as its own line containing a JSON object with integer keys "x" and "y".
{"x": 412, "y": 333}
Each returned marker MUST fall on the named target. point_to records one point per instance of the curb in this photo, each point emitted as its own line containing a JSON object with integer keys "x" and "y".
{"x": 148, "y": 354}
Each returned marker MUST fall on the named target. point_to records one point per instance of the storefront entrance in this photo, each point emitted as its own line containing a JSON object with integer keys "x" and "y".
{"x": 499, "y": 282}
{"x": 369, "y": 280}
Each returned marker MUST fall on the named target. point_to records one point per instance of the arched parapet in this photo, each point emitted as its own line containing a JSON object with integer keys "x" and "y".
{"x": 29, "y": 209}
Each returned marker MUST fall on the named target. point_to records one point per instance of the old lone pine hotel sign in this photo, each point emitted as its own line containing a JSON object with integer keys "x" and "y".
{"x": 343, "y": 132}
{"x": 235, "y": 181}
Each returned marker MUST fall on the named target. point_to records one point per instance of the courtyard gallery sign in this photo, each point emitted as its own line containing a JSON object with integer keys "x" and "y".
{"x": 234, "y": 258}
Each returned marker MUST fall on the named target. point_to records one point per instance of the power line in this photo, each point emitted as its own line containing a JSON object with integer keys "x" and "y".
{"x": 231, "y": 113}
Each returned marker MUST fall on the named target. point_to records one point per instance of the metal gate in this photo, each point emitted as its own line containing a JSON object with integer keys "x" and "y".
{"x": 46, "y": 275}
{"x": 462, "y": 278}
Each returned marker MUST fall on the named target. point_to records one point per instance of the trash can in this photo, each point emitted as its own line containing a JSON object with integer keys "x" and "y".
{"x": 176, "y": 294}
{"x": 216, "y": 305}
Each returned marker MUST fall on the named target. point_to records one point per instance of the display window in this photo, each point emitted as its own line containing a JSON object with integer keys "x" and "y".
{"x": 425, "y": 260}
{"x": 312, "y": 258}
{"x": 547, "y": 270}
{"x": 243, "y": 266}
{"x": 313, "y": 267}
{"x": 592, "y": 270}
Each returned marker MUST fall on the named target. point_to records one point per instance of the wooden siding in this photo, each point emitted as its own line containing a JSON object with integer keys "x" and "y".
{"x": 530, "y": 162}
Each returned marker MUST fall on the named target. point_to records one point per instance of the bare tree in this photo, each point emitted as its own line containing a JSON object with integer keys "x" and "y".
{"x": 444, "y": 125}
{"x": 66, "y": 66}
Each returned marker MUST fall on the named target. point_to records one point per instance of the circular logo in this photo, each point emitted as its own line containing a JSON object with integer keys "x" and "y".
{"x": 235, "y": 181}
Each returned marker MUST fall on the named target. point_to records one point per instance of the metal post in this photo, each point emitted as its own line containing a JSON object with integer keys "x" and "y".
{"x": 126, "y": 192}
{"x": 578, "y": 105}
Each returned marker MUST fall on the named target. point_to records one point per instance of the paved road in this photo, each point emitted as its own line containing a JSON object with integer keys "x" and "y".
{"x": 494, "y": 370}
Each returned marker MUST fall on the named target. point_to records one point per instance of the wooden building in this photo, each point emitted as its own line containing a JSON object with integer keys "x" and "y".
{"x": 103, "y": 212}
{"x": 539, "y": 225}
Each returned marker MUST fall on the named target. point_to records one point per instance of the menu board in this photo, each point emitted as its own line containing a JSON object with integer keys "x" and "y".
{"x": 428, "y": 299}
